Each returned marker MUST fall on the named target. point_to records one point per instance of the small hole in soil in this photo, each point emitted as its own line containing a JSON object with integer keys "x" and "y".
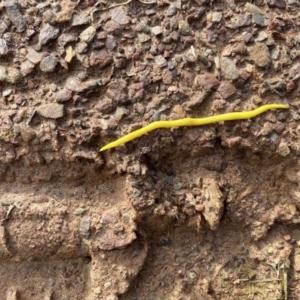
{"x": 87, "y": 259}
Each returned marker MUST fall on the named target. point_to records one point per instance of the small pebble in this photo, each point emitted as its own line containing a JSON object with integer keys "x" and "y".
{"x": 48, "y": 64}
{"x": 253, "y": 8}
{"x": 51, "y": 110}
{"x": 143, "y": 37}
{"x": 84, "y": 227}
{"x": 79, "y": 211}
{"x": 259, "y": 19}
{"x": 244, "y": 20}
{"x": 171, "y": 10}
{"x": 170, "y": 65}
{"x": 216, "y": 17}
{"x": 229, "y": 69}
{"x": 112, "y": 27}
{"x": 63, "y": 95}
{"x": 183, "y": 27}
{"x": 160, "y": 60}
{"x": 81, "y": 19}
{"x": 260, "y": 54}
{"x": 15, "y": 15}
{"x": 150, "y": 12}
{"x": 6, "y": 92}
{"x": 88, "y": 34}
{"x": 177, "y": 186}
{"x": 118, "y": 14}
{"x": 48, "y": 34}
{"x": 156, "y": 30}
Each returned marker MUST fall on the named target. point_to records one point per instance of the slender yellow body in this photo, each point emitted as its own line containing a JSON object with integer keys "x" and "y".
{"x": 193, "y": 122}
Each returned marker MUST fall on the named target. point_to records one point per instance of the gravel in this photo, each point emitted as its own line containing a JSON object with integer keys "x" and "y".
{"x": 76, "y": 75}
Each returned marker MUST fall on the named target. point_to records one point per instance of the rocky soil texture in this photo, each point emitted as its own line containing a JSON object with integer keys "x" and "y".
{"x": 209, "y": 212}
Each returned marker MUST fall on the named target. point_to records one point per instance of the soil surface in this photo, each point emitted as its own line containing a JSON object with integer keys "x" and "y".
{"x": 208, "y": 212}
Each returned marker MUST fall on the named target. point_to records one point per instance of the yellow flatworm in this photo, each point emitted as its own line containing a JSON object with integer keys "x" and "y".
{"x": 193, "y": 122}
